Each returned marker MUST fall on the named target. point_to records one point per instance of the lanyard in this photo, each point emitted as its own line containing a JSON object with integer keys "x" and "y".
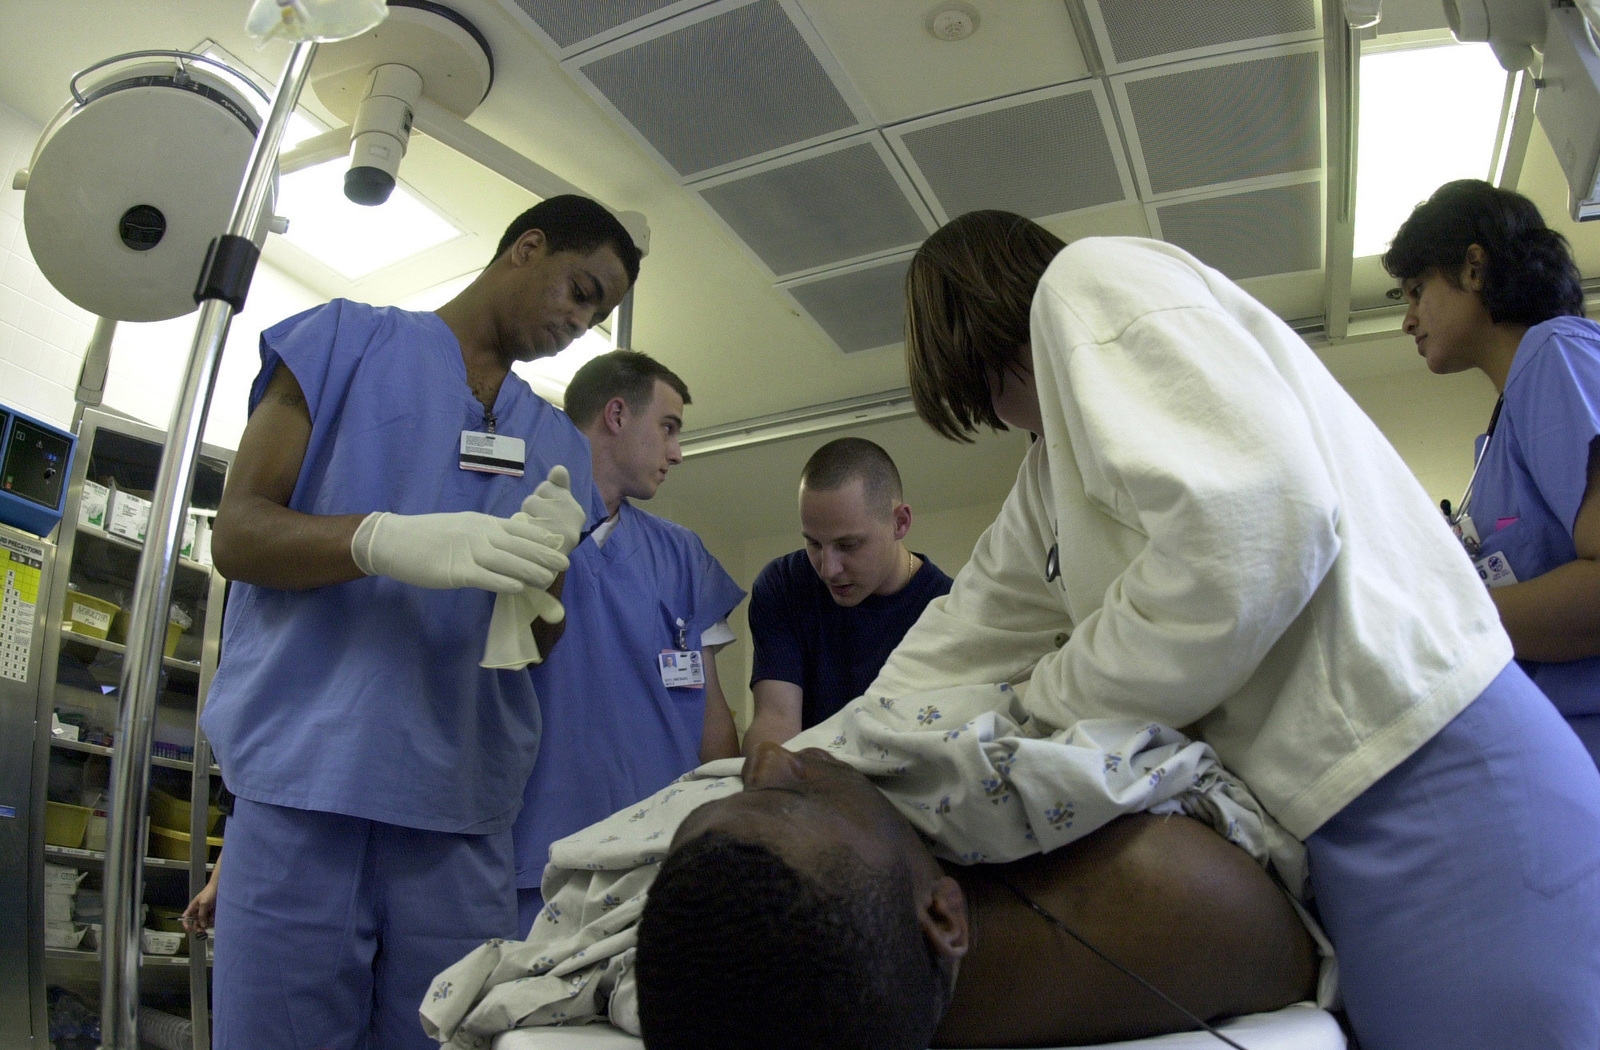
{"x": 1466, "y": 495}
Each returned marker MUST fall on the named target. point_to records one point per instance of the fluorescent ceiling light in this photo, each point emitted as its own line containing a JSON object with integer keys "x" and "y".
{"x": 548, "y": 376}
{"x": 351, "y": 239}
{"x": 1428, "y": 116}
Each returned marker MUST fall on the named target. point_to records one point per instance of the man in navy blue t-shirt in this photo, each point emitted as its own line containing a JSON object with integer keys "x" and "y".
{"x": 824, "y": 619}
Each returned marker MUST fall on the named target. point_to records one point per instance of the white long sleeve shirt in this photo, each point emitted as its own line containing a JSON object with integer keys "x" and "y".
{"x": 1242, "y": 554}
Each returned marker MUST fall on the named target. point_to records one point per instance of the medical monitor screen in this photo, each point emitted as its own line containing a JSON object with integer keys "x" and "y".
{"x": 35, "y": 466}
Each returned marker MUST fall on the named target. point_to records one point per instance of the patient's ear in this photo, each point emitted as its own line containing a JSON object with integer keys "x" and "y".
{"x": 942, "y": 913}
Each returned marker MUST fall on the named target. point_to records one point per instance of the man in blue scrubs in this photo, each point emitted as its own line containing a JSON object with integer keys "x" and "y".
{"x": 631, "y": 699}
{"x": 824, "y": 619}
{"x": 368, "y": 526}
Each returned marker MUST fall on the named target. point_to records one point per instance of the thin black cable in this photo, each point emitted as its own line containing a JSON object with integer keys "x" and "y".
{"x": 1158, "y": 993}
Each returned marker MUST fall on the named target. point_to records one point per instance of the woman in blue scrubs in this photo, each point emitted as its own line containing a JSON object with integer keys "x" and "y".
{"x": 1491, "y": 287}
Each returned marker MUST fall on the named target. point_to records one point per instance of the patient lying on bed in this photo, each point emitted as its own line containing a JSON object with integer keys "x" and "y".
{"x": 805, "y": 911}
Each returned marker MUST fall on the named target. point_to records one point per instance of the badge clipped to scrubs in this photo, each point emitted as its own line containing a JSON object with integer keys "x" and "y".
{"x": 1495, "y": 571}
{"x": 490, "y": 453}
{"x": 681, "y": 669}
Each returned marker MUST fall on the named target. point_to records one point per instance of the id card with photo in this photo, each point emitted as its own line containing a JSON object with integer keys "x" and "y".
{"x": 681, "y": 669}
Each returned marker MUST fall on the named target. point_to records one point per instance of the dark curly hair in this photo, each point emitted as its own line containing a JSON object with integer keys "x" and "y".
{"x": 739, "y": 951}
{"x": 1530, "y": 276}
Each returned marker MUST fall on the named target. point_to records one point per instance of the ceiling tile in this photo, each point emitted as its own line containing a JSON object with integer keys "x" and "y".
{"x": 1037, "y": 154}
{"x": 1251, "y": 234}
{"x": 1224, "y": 120}
{"x": 722, "y": 85}
{"x": 860, "y": 307}
{"x": 1135, "y": 33}
{"x": 821, "y": 207}
{"x": 904, "y": 71}
{"x": 572, "y": 28}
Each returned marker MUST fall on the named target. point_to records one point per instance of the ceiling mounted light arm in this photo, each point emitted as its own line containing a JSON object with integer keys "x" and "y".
{"x": 1342, "y": 90}
{"x": 1363, "y": 14}
{"x": 319, "y": 149}
{"x": 1515, "y": 131}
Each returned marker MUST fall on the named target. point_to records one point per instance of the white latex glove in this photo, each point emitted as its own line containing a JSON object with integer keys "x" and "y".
{"x": 462, "y": 549}
{"x": 510, "y": 645}
{"x": 552, "y": 507}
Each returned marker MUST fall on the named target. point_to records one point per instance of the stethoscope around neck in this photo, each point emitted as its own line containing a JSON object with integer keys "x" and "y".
{"x": 1462, "y": 508}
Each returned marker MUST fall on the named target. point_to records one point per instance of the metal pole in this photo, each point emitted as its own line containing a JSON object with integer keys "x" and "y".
{"x": 141, "y": 666}
{"x": 622, "y": 324}
{"x": 1342, "y": 86}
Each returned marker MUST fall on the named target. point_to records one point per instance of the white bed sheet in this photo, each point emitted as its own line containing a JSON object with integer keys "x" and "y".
{"x": 1298, "y": 1027}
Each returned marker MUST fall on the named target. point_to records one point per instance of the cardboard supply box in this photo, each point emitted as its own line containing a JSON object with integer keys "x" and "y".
{"x": 92, "y": 506}
{"x": 128, "y": 516}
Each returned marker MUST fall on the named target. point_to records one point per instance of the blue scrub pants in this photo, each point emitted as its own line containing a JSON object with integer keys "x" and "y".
{"x": 331, "y": 928}
{"x": 1462, "y": 891}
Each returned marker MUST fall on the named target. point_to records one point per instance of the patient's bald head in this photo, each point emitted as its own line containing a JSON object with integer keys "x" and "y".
{"x": 803, "y": 912}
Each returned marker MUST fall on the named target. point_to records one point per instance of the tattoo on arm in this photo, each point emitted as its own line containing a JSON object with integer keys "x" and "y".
{"x": 290, "y": 398}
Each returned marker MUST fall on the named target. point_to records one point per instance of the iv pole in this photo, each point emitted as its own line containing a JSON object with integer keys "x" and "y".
{"x": 224, "y": 282}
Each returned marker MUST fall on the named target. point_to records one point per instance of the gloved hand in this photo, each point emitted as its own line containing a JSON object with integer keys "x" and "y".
{"x": 510, "y": 645}
{"x": 552, "y": 507}
{"x": 462, "y": 549}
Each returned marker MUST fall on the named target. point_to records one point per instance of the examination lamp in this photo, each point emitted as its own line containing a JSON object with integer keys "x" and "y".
{"x": 1566, "y": 38}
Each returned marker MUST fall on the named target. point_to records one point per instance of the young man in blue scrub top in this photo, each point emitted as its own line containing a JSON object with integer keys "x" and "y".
{"x": 389, "y": 488}
{"x": 824, "y": 619}
{"x": 1491, "y": 287}
{"x": 631, "y": 699}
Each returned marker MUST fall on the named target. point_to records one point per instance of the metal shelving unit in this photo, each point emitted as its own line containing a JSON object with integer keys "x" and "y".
{"x": 81, "y": 675}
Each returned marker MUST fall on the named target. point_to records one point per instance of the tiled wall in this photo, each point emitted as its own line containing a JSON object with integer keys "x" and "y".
{"x": 42, "y": 335}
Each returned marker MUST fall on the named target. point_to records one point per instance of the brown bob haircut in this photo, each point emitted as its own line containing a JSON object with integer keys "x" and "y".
{"x": 969, "y": 290}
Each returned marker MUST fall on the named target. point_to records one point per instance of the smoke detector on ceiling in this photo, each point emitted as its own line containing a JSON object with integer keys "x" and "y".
{"x": 953, "y": 21}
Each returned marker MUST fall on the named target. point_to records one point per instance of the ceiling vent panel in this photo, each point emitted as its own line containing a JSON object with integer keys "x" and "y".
{"x": 1220, "y": 121}
{"x": 1252, "y": 234}
{"x": 1136, "y": 33}
{"x": 861, "y": 307}
{"x": 723, "y": 85}
{"x": 821, "y": 207}
{"x": 575, "y": 27}
{"x": 1038, "y": 154}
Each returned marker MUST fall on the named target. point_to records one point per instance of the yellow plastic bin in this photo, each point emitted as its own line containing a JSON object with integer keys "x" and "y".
{"x": 90, "y": 616}
{"x": 119, "y": 632}
{"x": 171, "y": 812}
{"x": 64, "y": 825}
{"x": 174, "y": 845}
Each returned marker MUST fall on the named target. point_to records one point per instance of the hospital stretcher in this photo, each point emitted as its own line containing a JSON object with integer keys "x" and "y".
{"x": 1298, "y": 1027}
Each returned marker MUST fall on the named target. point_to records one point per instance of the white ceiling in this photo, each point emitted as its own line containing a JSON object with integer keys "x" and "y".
{"x": 705, "y": 304}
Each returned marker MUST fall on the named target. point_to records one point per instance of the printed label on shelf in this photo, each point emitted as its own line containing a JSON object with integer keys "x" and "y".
{"x": 22, "y": 565}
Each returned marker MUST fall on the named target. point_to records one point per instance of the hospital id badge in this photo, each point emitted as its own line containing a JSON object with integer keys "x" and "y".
{"x": 1495, "y": 571}
{"x": 492, "y": 453}
{"x": 681, "y": 669}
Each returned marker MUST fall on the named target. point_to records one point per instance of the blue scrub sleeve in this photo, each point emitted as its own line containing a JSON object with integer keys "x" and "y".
{"x": 715, "y": 595}
{"x": 1559, "y": 425}
{"x": 309, "y": 344}
{"x": 774, "y": 639}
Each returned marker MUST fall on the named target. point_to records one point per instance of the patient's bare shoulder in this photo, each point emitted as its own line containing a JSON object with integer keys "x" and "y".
{"x": 1167, "y": 897}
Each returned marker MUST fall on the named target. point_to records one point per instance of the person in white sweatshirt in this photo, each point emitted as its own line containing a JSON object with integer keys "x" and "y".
{"x": 1210, "y": 534}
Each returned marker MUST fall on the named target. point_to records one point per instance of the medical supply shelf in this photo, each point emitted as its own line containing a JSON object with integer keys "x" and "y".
{"x": 134, "y": 545}
{"x": 106, "y": 752}
{"x": 73, "y": 857}
{"x": 82, "y": 682}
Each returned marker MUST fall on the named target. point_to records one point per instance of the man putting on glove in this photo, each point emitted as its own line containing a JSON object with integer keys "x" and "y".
{"x": 399, "y": 512}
